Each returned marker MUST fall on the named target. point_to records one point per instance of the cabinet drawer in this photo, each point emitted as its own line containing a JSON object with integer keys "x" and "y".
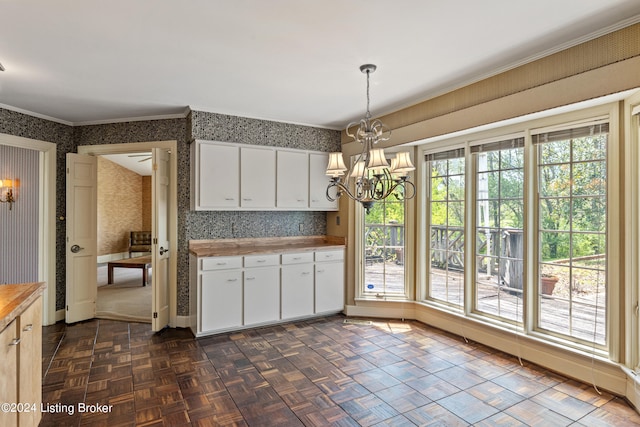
{"x": 221, "y": 263}
{"x": 261, "y": 260}
{"x": 297, "y": 258}
{"x": 332, "y": 255}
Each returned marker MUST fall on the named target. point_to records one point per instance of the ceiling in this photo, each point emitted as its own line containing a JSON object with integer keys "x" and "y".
{"x": 294, "y": 61}
{"x": 139, "y": 163}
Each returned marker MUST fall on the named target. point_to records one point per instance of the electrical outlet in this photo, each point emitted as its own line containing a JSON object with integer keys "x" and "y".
{"x": 301, "y": 227}
{"x": 338, "y": 220}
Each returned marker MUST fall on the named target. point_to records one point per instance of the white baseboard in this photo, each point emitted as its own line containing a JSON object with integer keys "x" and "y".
{"x": 60, "y": 315}
{"x": 182, "y": 321}
{"x": 112, "y": 257}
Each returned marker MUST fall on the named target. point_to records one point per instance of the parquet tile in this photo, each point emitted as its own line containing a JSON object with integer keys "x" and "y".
{"x": 321, "y": 372}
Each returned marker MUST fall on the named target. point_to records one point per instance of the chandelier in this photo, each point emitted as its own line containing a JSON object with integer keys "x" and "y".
{"x": 373, "y": 177}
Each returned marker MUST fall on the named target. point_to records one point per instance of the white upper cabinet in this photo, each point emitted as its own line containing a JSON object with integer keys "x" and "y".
{"x": 231, "y": 176}
{"x": 257, "y": 178}
{"x": 216, "y": 177}
{"x": 292, "y": 180}
{"x": 318, "y": 182}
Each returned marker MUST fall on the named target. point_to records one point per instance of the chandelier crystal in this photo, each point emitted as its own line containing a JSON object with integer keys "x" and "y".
{"x": 372, "y": 177}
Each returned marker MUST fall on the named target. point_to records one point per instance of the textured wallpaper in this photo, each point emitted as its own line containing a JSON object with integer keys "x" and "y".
{"x": 120, "y": 209}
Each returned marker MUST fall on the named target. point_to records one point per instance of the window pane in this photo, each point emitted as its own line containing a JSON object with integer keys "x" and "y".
{"x": 589, "y": 214}
{"x": 384, "y": 248}
{"x": 555, "y": 180}
{"x": 456, "y": 214}
{"x": 499, "y": 244}
{"x": 511, "y": 183}
{"x": 554, "y": 246}
{"x": 572, "y": 284}
{"x": 512, "y": 159}
{"x": 589, "y": 178}
{"x": 555, "y": 214}
{"x": 555, "y": 152}
{"x": 589, "y": 148}
{"x": 446, "y": 226}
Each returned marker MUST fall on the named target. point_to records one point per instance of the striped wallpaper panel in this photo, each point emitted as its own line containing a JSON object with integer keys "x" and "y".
{"x": 19, "y": 226}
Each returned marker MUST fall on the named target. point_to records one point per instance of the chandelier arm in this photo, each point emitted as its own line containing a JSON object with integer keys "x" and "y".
{"x": 341, "y": 189}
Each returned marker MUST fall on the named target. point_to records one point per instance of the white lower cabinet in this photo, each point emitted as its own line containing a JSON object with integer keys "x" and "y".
{"x": 329, "y": 281}
{"x": 261, "y": 295}
{"x": 297, "y": 290}
{"x": 232, "y": 292}
{"x": 221, "y": 300}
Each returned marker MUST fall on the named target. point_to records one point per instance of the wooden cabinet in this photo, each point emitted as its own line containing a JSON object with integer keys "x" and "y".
{"x": 231, "y": 176}
{"x": 329, "y": 281}
{"x": 8, "y": 377}
{"x": 257, "y": 178}
{"x": 21, "y": 367}
{"x": 292, "y": 180}
{"x": 30, "y": 362}
{"x": 318, "y": 182}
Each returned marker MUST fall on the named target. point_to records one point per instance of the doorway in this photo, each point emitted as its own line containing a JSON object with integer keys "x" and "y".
{"x": 169, "y": 264}
{"x": 124, "y": 219}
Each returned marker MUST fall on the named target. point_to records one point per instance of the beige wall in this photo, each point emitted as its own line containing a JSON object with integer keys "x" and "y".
{"x": 120, "y": 206}
{"x": 146, "y": 203}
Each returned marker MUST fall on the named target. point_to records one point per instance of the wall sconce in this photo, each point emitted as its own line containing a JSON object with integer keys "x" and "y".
{"x": 8, "y": 198}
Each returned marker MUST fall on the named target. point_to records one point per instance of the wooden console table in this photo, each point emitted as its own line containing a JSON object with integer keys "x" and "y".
{"x": 143, "y": 262}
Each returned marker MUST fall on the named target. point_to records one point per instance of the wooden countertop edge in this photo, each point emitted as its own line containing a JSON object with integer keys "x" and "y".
{"x": 16, "y": 298}
{"x": 250, "y": 246}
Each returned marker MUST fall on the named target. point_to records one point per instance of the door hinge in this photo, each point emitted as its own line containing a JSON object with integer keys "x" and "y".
{"x": 67, "y": 308}
{"x": 155, "y": 240}
{"x": 155, "y": 314}
{"x": 155, "y": 166}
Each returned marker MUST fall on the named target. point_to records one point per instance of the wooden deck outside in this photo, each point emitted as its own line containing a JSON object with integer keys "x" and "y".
{"x": 502, "y": 302}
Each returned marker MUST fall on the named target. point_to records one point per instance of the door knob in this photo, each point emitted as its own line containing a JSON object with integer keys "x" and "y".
{"x": 163, "y": 250}
{"x": 75, "y": 249}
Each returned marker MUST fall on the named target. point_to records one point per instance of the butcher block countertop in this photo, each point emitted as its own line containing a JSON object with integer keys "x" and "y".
{"x": 14, "y": 299}
{"x": 251, "y": 246}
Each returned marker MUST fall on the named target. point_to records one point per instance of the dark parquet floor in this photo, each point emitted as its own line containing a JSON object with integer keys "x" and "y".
{"x": 321, "y": 372}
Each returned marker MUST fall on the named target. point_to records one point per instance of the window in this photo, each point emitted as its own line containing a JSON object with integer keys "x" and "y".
{"x": 572, "y": 226}
{"x": 535, "y": 255}
{"x": 446, "y": 226}
{"x": 384, "y": 248}
{"x": 499, "y": 244}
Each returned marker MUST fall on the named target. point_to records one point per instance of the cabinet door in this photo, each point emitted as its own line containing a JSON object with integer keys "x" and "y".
{"x": 292, "y": 180}
{"x": 8, "y": 374}
{"x": 261, "y": 295}
{"x": 30, "y": 366}
{"x": 318, "y": 182}
{"x": 297, "y": 290}
{"x": 220, "y": 305}
{"x": 329, "y": 286}
{"x": 218, "y": 176}
{"x": 257, "y": 177}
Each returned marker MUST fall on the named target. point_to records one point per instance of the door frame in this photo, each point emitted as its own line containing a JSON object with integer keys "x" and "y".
{"x": 133, "y": 147}
{"x": 46, "y": 218}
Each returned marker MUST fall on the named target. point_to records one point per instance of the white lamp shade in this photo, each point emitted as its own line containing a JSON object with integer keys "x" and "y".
{"x": 377, "y": 160}
{"x": 358, "y": 170}
{"x": 401, "y": 164}
{"x": 336, "y": 165}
